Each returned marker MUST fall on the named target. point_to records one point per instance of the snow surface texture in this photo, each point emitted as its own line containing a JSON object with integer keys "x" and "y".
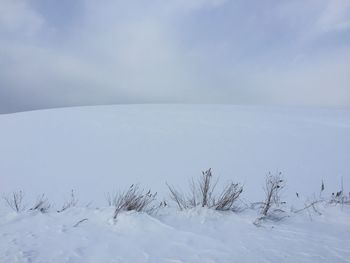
{"x": 96, "y": 150}
{"x": 197, "y": 235}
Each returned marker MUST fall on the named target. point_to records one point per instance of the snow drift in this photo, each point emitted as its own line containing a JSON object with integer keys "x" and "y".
{"x": 98, "y": 150}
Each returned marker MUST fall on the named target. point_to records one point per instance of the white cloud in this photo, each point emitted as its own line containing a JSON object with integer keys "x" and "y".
{"x": 17, "y": 16}
{"x": 336, "y": 16}
{"x": 197, "y": 4}
{"x": 175, "y": 51}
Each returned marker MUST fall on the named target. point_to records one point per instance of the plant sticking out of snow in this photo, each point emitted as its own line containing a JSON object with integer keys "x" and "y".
{"x": 311, "y": 204}
{"x": 134, "y": 199}
{"x": 271, "y": 206}
{"x": 202, "y": 194}
{"x": 340, "y": 197}
{"x": 73, "y": 201}
{"x": 274, "y": 184}
{"x": 41, "y": 204}
{"x": 15, "y": 201}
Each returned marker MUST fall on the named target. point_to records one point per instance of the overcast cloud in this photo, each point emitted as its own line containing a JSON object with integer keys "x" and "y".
{"x": 57, "y": 53}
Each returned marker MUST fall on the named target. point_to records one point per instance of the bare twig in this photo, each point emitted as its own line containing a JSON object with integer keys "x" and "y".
{"x": 15, "y": 201}
{"x": 73, "y": 201}
{"x": 307, "y": 206}
{"x": 340, "y": 197}
{"x": 42, "y": 204}
{"x": 228, "y": 197}
{"x": 273, "y": 186}
{"x": 79, "y": 222}
{"x": 179, "y": 199}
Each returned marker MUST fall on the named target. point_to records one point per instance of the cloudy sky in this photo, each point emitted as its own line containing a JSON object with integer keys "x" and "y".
{"x": 83, "y": 52}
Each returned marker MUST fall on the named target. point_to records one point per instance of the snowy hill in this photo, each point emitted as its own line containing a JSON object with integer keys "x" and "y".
{"x": 100, "y": 150}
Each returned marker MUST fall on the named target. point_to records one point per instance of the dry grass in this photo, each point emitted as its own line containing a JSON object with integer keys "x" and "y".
{"x": 15, "y": 201}
{"x": 202, "y": 194}
{"x": 42, "y": 204}
{"x": 134, "y": 199}
{"x": 274, "y": 184}
{"x": 73, "y": 201}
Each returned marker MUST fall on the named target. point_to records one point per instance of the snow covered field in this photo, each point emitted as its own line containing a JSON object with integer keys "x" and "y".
{"x": 100, "y": 150}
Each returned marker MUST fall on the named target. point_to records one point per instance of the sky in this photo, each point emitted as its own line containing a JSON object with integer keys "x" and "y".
{"x": 58, "y": 53}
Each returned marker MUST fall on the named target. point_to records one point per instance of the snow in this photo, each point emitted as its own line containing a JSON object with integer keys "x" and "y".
{"x": 102, "y": 149}
{"x": 197, "y": 235}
